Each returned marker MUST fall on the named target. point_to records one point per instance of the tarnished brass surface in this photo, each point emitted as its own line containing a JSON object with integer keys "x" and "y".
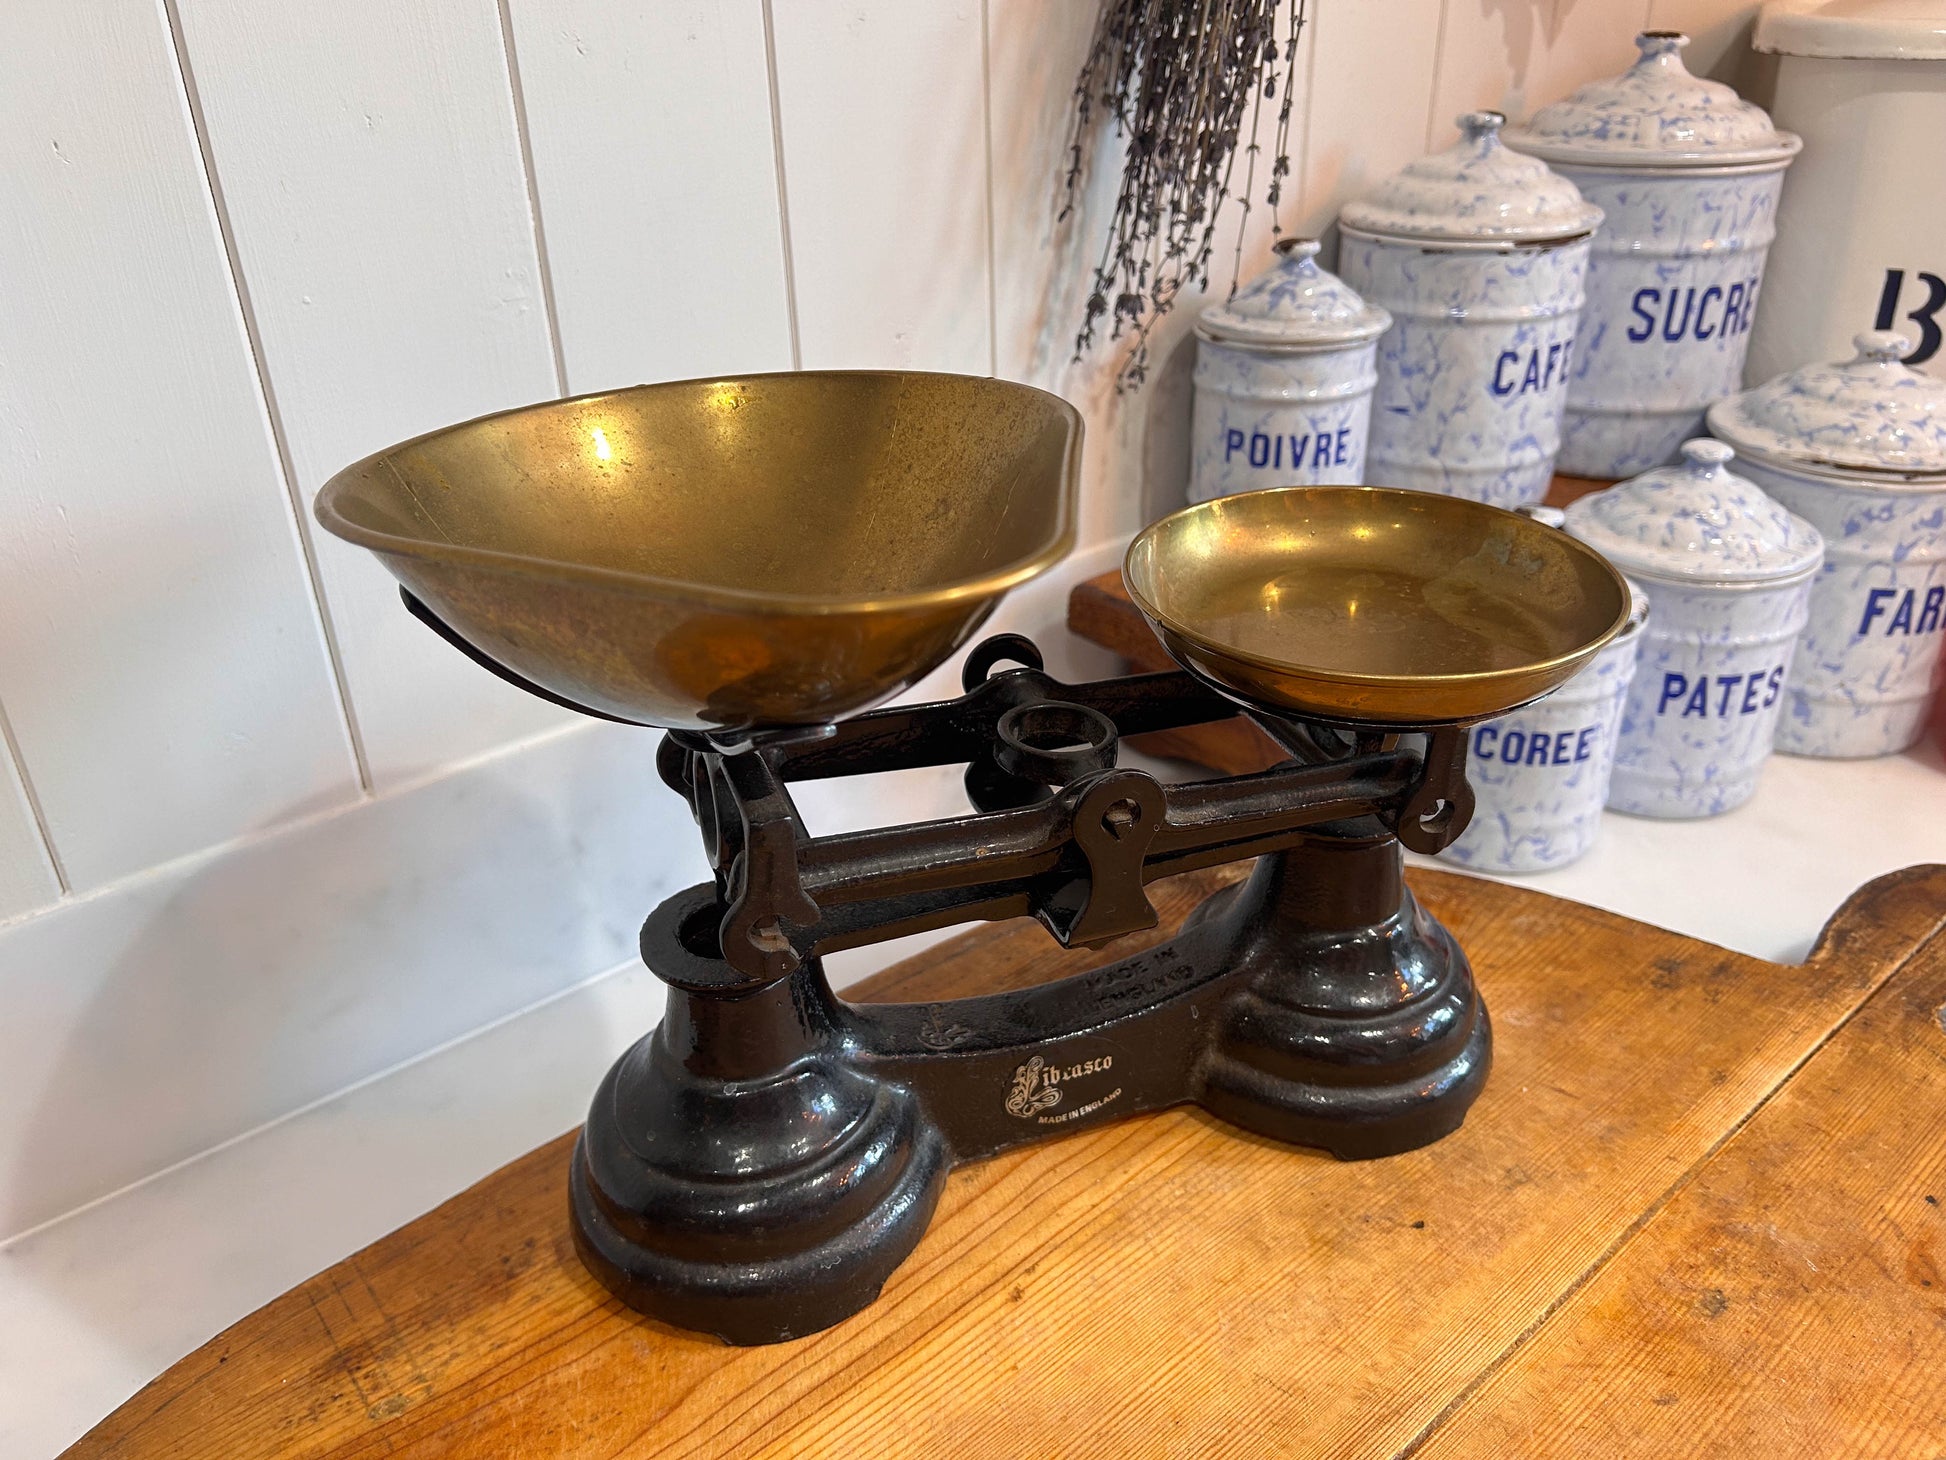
{"x": 1371, "y": 604}
{"x": 723, "y": 554}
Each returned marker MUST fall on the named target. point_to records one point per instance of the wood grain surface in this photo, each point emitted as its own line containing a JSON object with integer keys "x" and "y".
{"x": 1169, "y": 1286}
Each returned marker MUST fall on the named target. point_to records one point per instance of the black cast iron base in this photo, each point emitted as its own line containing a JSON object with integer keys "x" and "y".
{"x": 759, "y": 1164}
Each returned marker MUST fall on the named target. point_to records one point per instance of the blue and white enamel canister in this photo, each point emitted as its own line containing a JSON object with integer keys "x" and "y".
{"x": 1728, "y": 572}
{"x": 1540, "y": 775}
{"x": 1284, "y": 376}
{"x": 1859, "y": 450}
{"x": 1688, "y": 175}
{"x": 1479, "y": 254}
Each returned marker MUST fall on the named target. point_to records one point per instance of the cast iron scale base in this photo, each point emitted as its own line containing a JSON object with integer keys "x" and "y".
{"x": 759, "y": 1164}
{"x": 751, "y": 564}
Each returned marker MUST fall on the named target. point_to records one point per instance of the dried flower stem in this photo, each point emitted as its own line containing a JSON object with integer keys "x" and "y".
{"x": 1177, "y": 78}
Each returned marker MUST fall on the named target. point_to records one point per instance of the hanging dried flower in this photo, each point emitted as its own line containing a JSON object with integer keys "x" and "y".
{"x": 1179, "y": 78}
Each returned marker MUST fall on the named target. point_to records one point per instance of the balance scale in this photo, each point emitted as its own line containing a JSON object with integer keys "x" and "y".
{"x": 750, "y": 565}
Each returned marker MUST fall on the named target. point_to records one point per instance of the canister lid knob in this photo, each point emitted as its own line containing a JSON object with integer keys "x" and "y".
{"x": 1295, "y": 305}
{"x": 1869, "y": 419}
{"x": 1708, "y": 455}
{"x": 1654, "y": 115}
{"x": 1477, "y": 194}
{"x": 1697, "y": 522}
{"x": 1882, "y": 345}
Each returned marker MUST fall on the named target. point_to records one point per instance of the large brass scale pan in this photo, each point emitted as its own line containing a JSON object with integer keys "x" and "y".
{"x": 788, "y": 549}
{"x": 754, "y": 563}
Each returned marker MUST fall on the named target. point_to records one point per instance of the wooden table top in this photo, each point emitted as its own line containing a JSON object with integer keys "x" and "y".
{"x": 1697, "y": 1211}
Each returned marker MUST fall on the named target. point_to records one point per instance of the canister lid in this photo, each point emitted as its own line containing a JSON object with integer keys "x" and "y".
{"x": 1476, "y": 191}
{"x": 1871, "y": 414}
{"x": 1655, "y": 114}
{"x": 1296, "y": 304}
{"x": 1696, "y": 522}
{"x": 1868, "y": 30}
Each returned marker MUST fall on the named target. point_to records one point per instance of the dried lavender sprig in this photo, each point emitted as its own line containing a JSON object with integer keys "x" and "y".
{"x": 1177, "y": 78}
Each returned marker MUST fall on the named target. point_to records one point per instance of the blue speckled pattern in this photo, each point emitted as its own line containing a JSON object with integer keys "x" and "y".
{"x": 1480, "y": 254}
{"x": 1699, "y": 521}
{"x": 1728, "y": 574}
{"x": 1540, "y": 775}
{"x": 1706, "y": 695}
{"x": 1869, "y": 662}
{"x": 1475, "y": 191}
{"x": 1672, "y": 291}
{"x": 1268, "y": 419}
{"x": 1688, "y": 175}
{"x": 1473, "y": 375}
{"x": 1655, "y": 110}
{"x": 1859, "y": 449}
{"x": 1871, "y": 413}
{"x": 1284, "y": 376}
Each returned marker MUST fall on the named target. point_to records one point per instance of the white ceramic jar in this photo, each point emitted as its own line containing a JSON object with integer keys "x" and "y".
{"x": 1479, "y": 254}
{"x": 1728, "y": 573}
{"x": 1862, "y": 232}
{"x": 1540, "y": 775}
{"x": 1859, "y": 450}
{"x": 1687, "y": 175}
{"x": 1284, "y": 376}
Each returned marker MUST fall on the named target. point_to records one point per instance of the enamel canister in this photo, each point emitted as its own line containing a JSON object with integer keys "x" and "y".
{"x": 1284, "y": 376}
{"x": 1687, "y": 174}
{"x": 1479, "y": 254}
{"x": 1728, "y": 572}
{"x": 1859, "y": 450}
{"x": 1540, "y": 775}
{"x": 1861, "y": 235}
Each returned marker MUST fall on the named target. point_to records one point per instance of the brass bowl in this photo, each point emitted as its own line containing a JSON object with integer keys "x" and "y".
{"x": 1370, "y": 605}
{"x": 726, "y": 554}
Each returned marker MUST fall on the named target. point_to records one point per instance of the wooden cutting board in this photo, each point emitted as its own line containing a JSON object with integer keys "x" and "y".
{"x": 1698, "y": 1211}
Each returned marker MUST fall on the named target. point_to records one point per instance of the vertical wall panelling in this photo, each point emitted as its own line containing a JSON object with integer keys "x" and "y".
{"x": 174, "y": 1011}
{"x": 160, "y": 660}
{"x": 881, "y": 107}
{"x": 1515, "y": 56}
{"x": 650, "y": 131}
{"x": 367, "y": 155}
{"x": 1135, "y": 463}
{"x": 1719, "y": 46}
{"x": 1041, "y": 267}
{"x": 1370, "y": 97}
{"x": 27, "y": 879}
{"x": 1589, "y": 38}
{"x": 1491, "y": 55}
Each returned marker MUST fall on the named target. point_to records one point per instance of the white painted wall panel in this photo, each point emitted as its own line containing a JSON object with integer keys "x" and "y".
{"x": 1719, "y": 45}
{"x": 1518, "y": 57}
{"x": 882, "y": 109}
{"x": 161, "y": 1016}
{"x": 367, "y": 153}
{"x": 1135, "y": 464}
{"x": 160, "y": 660}
{"x": 650, "y": 133}
{"x": 1371, "y": 97}
{"x": 27, "y": 879}
{"x": 1588, "y": 40}
{"x": 1041, "y": 267}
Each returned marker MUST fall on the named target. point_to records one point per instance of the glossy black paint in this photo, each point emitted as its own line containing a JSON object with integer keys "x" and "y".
{"x": 760, "y": 1163}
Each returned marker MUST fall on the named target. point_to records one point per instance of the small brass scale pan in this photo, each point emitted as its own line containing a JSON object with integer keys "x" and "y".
{"x": 751, "y": 564}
